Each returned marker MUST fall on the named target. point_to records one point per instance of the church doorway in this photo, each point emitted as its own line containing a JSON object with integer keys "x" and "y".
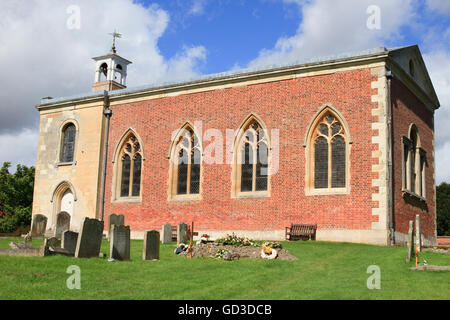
{"x": 67, "y": 202}
{"x": 63, "y": 207}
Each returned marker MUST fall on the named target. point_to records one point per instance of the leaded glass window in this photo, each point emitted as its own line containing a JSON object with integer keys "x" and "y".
{"x": 414, "y": 163}
{"x": 254, "y": 155}
{"x": 321, "y": 163}
{"x": 68, "y": 143}
{"x": 130, "y": 168}
{"x": 329, "y": 157}
{"x": 188, "y": 163}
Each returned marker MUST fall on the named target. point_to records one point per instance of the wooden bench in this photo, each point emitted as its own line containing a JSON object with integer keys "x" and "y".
{"x": 301, "y": 232}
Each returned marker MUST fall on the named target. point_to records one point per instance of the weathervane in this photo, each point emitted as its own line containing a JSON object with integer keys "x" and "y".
{"x": 115, "y": 35}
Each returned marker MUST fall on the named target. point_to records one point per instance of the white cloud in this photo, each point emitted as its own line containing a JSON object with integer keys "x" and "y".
{"x": 330, "y": 27}
{"x": 181, "y": 66}
{"x": 40, "y": 56}
{"x": 198, "y": 7}
{"x": 440, "y": 6}
{"x": 19, "y": 148}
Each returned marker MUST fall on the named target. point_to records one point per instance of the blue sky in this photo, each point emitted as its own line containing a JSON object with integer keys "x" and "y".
{"x": 234, "y": 32}
{"x": 46, "y": 47}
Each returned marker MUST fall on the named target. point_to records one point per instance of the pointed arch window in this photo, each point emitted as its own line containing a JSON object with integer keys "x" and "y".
{"x": 413, "y": 164}
{"x": 68, "y": 143}
{"x": 328, "y": 155}
{"x": 186, "y": 164}
{"x": 251, "y": 163}
{"x": 130, "y": 168}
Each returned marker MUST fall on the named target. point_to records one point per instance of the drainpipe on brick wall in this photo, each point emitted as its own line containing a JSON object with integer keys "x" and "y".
{"x": 389, "y": 77}
{"x": 108, "y": 113}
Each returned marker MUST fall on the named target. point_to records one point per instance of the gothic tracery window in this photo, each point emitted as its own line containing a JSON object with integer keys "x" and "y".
{"x": 187, "y": 164}
{"x": 68, "y": 143}
{"x": 328, "y": 155}
{"x": 252, "y": 159}
{"x": 130, "y": 168}
{"x": 413, "y": 164}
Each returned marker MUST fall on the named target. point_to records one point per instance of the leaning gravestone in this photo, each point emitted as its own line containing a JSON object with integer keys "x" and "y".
{"x": 38, "y": 226}
{"x": 62, "y": 223}
{"x": 151, "y": 245}
{"x": 114, "y": 219}
{"x": 410, "y": 243}
{"x": 166, "y": 233}
{"x": 181, "y": 233}
{"x": 119, "y": 242}
{"x": 90, "y": 238}
{"x": 69, "y": 241}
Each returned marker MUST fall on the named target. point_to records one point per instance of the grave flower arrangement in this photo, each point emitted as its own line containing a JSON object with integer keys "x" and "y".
{"x": 234, "y": 240}
{"x": 204, "y": 238}
{"x": 268, "y": 251}
{"x": 273, "y": 245}
{"x": 226, "y": 255}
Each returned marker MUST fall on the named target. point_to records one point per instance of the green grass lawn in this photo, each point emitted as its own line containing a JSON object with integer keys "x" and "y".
{"x": 324, "y": 271}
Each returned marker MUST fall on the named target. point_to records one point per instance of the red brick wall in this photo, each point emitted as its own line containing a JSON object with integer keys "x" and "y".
{"x": 407, "y": 109}
{"x": 289, "y": 106}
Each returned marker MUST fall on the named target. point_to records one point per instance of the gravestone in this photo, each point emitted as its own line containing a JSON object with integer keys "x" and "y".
{"x": 62, "y": 223}
{"x": 119, "y": 242}
{"x": 89, "y": 239}
{"x": 418, "y": 234}
{"x": 181, "y": 233}
{"x": 69, "y": 241}
{"x": 53, "y": 242}
{"x": 39, "y": 225}
{"x": 166, "y": 233}
{"x": 118, "y": 220}
{"x": 44, "y": 249}
{"x": 151, "y": 245}
{"x": 410, "y": 243}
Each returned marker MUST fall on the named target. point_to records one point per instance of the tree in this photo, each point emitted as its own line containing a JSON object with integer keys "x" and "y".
{"x": 16, "y": 197}
{"x": 443, "y": 209}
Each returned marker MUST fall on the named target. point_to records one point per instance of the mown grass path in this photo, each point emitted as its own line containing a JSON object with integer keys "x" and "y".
{"x": 324, "y": 271}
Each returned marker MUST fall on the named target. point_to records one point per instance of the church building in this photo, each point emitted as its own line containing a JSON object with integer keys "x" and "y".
{"x": 345, "y": 142}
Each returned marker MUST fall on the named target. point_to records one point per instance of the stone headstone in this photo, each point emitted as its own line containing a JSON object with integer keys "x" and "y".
{"x": 181, "y": 233}
{"x": 151, "y": 245}
{"x": 418, "y": 234}
{"x": 53, "y": 242}
{"x": 119, "y": 242}
{"x": 118, "y": 220}
{"x": 410, "y": 242}
{"x": 39, "y": 224}
{"x": 69, "y": 241}
{"x": 44, "y": 249}
{"x": 89, "y": 239}
{"x": 62, "y": 223}
{"x": 166, "y": 233}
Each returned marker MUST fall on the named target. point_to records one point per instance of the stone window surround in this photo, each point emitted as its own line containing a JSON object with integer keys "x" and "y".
{"x": 173, "y": 168}
{"x": 419, "y": 168}
{"x": 117, "y": 168}
{"x": 310, "y": 190}
{"x": 236, "y": 192}
{"x": 59, "y": 163}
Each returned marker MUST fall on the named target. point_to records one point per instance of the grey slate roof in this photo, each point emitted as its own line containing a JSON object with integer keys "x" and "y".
{"x": 229, "y": 74}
